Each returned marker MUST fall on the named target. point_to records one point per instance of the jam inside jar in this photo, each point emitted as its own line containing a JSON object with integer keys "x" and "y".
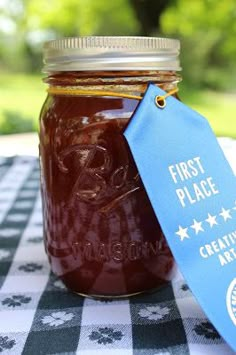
{"x": 101, "y": 235}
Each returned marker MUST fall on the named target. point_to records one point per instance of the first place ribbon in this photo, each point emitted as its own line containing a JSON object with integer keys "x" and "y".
{"x": 192, "y": 189}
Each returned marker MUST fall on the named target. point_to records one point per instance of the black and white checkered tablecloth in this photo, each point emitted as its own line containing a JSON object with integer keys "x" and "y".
{"x": 39, "y": 316}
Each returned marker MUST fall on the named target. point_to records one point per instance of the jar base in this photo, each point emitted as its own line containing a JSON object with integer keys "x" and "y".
{"x": 109, "y": 297}
{"x": 128, "y": 295}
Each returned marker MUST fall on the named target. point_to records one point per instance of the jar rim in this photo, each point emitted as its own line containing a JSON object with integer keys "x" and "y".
{"x": 111, "y": 53}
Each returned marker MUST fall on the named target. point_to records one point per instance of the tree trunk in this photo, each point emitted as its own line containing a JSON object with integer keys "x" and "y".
{"x": 148, "y": 13}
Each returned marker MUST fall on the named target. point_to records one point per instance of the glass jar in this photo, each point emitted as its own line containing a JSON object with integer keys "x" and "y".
{"x": 101, "y": 234}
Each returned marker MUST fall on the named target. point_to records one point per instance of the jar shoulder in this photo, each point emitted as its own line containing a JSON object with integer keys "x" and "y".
{"x": 87, "y": 109}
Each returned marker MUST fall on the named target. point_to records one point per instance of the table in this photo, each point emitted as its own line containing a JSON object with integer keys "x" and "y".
{"x": 39, "y": 316}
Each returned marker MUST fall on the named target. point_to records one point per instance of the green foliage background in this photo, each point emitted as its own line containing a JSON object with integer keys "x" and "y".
{"x": 206, "y": 28}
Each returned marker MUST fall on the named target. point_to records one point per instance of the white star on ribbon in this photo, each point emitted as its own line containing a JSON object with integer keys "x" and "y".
{"x": 211, "y": 220}
{"x": 182, "y": 233}
{"x": 197, "y": 226}
{"x": 225, "y": 214}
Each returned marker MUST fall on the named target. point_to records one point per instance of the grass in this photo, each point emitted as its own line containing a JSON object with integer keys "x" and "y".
{"x": 22, "y": 97}
{"x": 218, "y": 107}
{"x": 21, "y": 100}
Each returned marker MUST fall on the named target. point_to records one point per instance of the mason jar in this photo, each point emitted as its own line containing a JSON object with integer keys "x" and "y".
{"x": 101, "y": 235}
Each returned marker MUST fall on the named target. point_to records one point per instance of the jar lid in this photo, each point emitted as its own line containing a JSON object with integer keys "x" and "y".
{"x": 111, "y": 53}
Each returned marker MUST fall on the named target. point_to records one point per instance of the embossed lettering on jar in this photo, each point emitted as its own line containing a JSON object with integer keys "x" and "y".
{"x": 101, "y": 235}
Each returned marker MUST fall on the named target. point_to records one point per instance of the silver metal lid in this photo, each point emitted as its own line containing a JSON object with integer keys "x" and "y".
{"x": 111, "y": 53}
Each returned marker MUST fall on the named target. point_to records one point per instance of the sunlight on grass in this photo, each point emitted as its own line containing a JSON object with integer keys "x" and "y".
{"x": 218, "y": 108}
{"x": 22, "y": 97}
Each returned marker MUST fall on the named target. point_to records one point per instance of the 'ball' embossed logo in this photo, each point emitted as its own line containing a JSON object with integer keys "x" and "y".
{"x": 96, "y": 177}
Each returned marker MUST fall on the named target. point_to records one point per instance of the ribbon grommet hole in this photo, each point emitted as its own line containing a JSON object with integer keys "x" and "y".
{"x": 160, "y": 101}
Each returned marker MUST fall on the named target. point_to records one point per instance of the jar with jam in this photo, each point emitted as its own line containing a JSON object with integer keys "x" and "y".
{"x": 101, "y": 235}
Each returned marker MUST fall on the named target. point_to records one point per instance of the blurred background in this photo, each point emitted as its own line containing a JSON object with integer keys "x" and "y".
{"x": 206, "y": 28}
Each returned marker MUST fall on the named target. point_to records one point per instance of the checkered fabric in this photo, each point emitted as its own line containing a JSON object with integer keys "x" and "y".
{"x": 39, "y": 316}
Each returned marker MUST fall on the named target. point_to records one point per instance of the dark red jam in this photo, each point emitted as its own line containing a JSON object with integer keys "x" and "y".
{"x": 101, "y": 234}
